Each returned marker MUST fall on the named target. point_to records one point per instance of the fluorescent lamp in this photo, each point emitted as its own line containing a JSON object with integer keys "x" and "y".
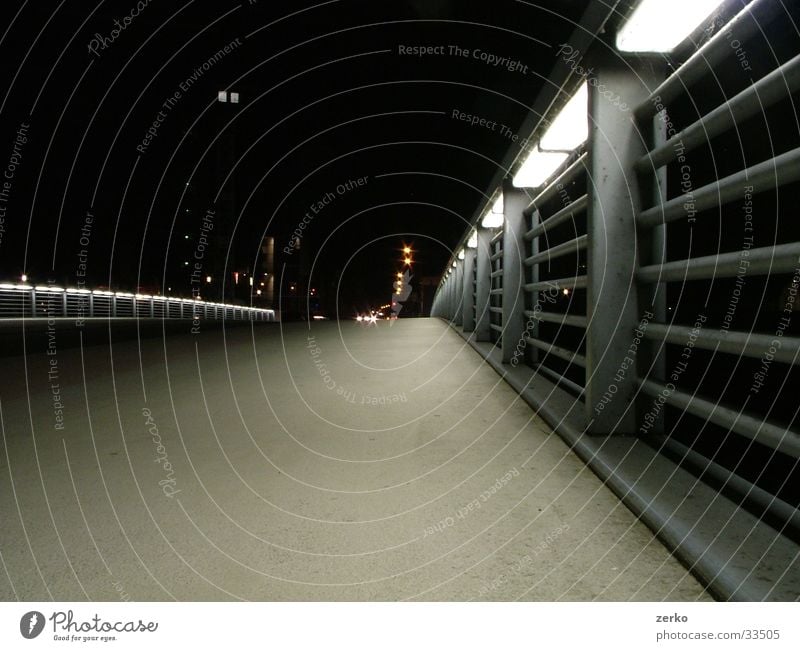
{"x": 537, "y": 168}
{"x": 497, "y": 207}
{"x": 461, "y": 254}
{"x": 472, "y": 242}
{"x": 571, "y": 126}
{"x": 492, "y": 220}
{"x": 222, "y": 96}
{"x": 659, "y": 26}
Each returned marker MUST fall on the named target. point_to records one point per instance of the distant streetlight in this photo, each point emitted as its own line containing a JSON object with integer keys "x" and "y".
{"x": 24, "y": 278}
{"x": 208, "y": 279}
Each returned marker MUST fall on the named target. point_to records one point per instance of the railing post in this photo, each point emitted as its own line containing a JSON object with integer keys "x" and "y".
{"x": 611, "y": 300}
{"x": 458, "y": 293}
{"x": 468, "y": 301}
{"x": 514, "y": 201}
{"x": 483, "y": 285}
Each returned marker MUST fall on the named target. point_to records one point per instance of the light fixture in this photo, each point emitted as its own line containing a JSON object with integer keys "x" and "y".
{"x": 571, "y": 126}
{"x": 537, "y": 168}
{"x": 461, "y": 254}
{"x": 407, "y": 250}
{"x": 472, "y": 242}
{"x": 24, "y": 278}
{"x": 222, "y": 96}
{"x": 659, "y": 26}
{"x": 234, "y": 98}
{"x": 208, "y": 279}
{"x": 498, "y": 207}
{"x": 492, "y": 220}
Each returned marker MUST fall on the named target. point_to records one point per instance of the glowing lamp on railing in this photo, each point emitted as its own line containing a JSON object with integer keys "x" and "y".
{"x": 659, "y": 26}
{"x": 571, "y": 126}
{"x": 567, "y": 131}
{"x": 537, "y": 168}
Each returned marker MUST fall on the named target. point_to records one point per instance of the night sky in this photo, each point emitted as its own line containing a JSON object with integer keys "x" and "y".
{"x": 120, "y": 148}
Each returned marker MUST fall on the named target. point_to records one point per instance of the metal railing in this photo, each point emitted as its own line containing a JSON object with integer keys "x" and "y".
{"x": 28, "y": 301}
{"x": 660, "y": 267}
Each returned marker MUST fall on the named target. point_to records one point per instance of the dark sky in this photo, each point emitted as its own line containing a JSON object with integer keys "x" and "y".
{"x": 326, "y": 97}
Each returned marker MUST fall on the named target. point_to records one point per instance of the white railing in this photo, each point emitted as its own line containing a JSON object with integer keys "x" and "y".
{"x": 50, "y": 301}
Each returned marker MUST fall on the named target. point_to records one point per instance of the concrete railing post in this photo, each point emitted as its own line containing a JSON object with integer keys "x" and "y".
{"x": 458, "y": 293}
{"x": 483, "y": 284}
{"x": 468, "y": 300}
{"x": 611, "y": 301}
{"x": 514, "y": 201}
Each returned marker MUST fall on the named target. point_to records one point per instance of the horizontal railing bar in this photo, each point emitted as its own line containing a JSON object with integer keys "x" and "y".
{"x": 782, "y": 258}
{"x": 775, "y": 172}
{"x": 576, "y": 321}
{"x": 574, "y": 282}
{"x": 557, "y": 351}
{"x": 747, "y": 23}
{"x": 559, "y": 182}
{"x": 565, "y": 248}
{"x": 496, "y": 274}
{"x": 744, "y": 489}
{"x": 497, "y": 328}
{"x": 495, "y": 292}
{"x": 777, "y": 85}
{"x": 773, "y": 436}
{"x": 496, "y": 256}
{"x": 729, "y": 341}
{"x": 496, "y": 237}
{"x": 496, "y": 310}
{"x": 559, "y": 379}
{"x": 577, "y": 206}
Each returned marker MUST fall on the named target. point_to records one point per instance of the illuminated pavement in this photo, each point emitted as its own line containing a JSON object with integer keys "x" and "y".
{"x": 347, "y": 462}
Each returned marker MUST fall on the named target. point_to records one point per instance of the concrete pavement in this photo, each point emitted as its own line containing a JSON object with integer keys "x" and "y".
{"x": 340, "y": 462}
